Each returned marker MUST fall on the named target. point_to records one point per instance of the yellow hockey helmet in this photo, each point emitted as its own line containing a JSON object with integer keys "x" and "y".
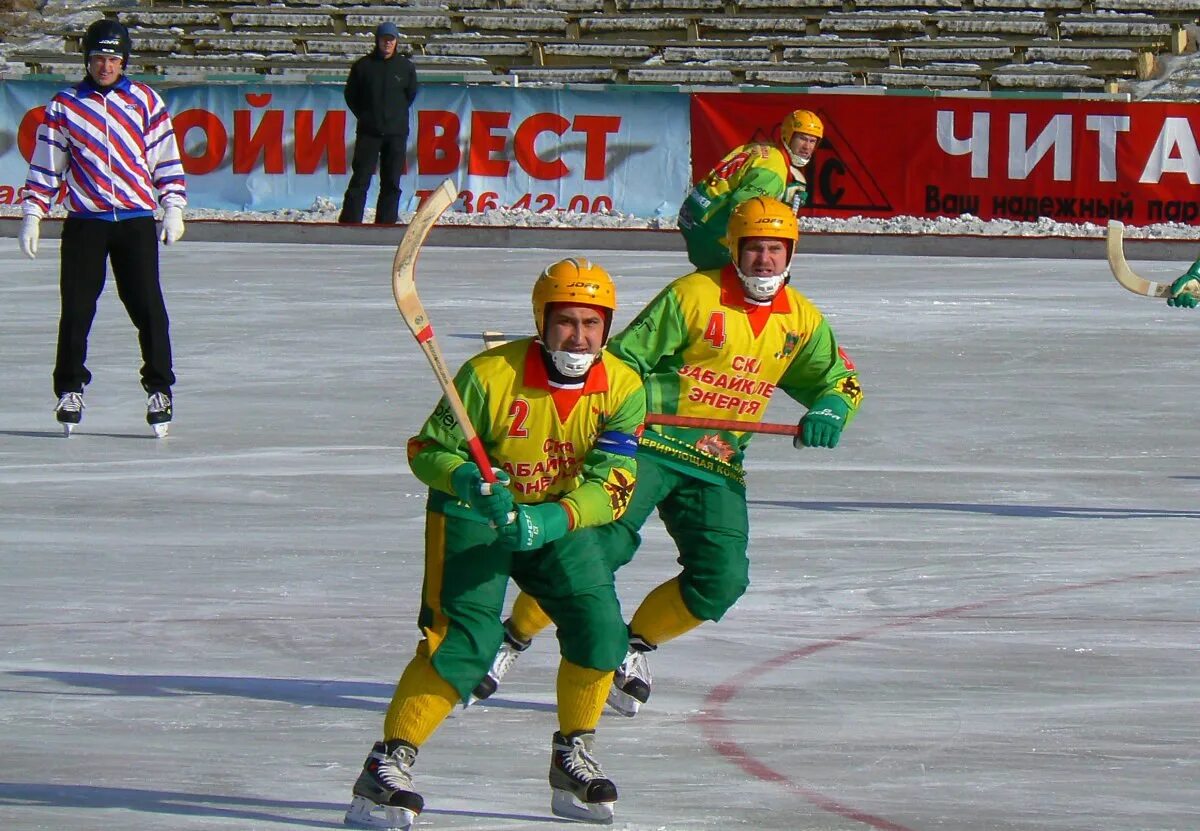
{"x": 800, "y": 121}
{"x": 576, "y": 281}
{"x": 761, "y": 216}
{"x": 768, "y": 218}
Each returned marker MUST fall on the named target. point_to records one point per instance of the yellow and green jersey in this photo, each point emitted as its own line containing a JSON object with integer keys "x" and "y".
{"x": 747, "y": 171}
{"x": 705, "y": 351}
{"x": 575, "y": 445}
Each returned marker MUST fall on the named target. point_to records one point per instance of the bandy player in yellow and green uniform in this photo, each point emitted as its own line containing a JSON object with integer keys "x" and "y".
{"x": 749, "y": 170}
{"x": 712, "y": 344}
{"x": 559, "y": 418}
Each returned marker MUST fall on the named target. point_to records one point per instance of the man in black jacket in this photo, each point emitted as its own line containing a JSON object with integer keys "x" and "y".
{"x": 379, "y": 91}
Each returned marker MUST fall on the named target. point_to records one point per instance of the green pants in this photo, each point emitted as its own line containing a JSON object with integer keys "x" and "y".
{"x": 467, "y": 575}
{"x": 708, "y": 523}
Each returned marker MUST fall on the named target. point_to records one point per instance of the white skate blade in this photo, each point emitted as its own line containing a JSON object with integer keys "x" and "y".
{"x": 623, "y": 702}
{"x": 160, "y": 430}
{"x": 363, "y": 813}
{"x": 564, "y": 804}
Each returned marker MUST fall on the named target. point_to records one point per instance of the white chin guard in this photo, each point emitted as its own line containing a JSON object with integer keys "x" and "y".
{"x": 572, "y": 364}
{"x": 797, "y": 160}
{"x": 762, "y": 288}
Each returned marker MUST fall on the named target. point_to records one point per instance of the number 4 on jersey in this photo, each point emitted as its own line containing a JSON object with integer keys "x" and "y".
{"x": 714, "y": 332}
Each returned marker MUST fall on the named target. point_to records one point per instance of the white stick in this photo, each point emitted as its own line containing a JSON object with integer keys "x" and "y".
{"x": 1126, "y": 275}
{"x": 404, "y": 289}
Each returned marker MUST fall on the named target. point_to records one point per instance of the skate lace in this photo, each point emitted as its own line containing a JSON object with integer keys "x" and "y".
{"x": 505, "y": 658}
{"x": 581, "y": 765}
{"x": 70, "y": 402}
{"x": 635, "y": 665}
{"x": 393, "y": 771}
{"x": 158, "y": 403}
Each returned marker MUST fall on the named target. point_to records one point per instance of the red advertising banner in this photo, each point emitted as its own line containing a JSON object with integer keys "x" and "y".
{"x": 1019, "y": 159}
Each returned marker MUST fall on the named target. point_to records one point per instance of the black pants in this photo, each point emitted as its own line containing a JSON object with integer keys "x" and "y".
{"x": 388, "y": 151}
{"x": 132, "y": 246}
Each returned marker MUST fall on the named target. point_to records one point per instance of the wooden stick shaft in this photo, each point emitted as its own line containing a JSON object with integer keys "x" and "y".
{"x": 404, "y": 289}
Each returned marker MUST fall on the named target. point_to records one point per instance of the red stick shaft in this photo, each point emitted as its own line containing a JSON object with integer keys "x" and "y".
{"x": 720, "y": 424}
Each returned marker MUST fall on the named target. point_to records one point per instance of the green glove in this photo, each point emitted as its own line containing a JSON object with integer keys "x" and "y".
{"x": 822, "y": 425}
{"x": 535, "y": 526}
{"x": 1185, "y": 301}
{"x": 494, "y": 502}
{"x": 795, "y": 195}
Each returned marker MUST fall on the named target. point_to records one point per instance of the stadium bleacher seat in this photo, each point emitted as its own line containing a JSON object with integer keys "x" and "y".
{"x": 858, "y": 52}
{"x": 814, "y": 76}
{"x": 682, "y": 75}
{"x": 571, "y": 53}
{"x": 715, "y": 51}
{"x": 1084, "y": 45}
{"x": 741, "y": 26}
{"x": 1005, "y": 25}
{"x": 657, "y": 28}
{"x": 669, "y": 6}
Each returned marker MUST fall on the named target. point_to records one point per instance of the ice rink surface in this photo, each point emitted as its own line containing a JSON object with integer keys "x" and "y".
{"x": 979, "y": 613}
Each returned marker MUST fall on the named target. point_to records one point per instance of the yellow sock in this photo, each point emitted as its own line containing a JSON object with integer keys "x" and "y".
{"x": 581, "y": 695}
{"x": 527, "y": 618}
{"x": 421, "y": 702}
{"x": 663, "y": 615}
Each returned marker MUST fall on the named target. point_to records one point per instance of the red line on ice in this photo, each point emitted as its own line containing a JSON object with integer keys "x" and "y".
{"x": 716, "y": 728}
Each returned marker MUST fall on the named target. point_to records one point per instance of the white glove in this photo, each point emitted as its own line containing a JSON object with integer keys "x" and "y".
{"x": 31, "y": 231}
{"x": 172, "y": 225}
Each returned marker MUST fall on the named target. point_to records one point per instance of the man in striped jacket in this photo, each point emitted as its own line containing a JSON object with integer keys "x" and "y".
{"x": 110, "y": 143}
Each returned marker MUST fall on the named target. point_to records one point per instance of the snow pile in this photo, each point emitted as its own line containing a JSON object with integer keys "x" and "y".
{"x": 326, "y": 210}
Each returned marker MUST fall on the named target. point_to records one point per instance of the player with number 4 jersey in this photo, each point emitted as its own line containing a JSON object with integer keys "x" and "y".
{"x": 714, "y": 343}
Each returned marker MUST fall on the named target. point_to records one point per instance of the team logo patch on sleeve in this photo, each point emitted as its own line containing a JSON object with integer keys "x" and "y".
{"x": 849, "y": 387}
{"x": 620, "y": 489}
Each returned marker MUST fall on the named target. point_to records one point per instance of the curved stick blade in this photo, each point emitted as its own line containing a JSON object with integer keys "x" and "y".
{"x": 404, "y": 265}
{"x": 404, "y": 289}
{"x": 1121, "y": 270}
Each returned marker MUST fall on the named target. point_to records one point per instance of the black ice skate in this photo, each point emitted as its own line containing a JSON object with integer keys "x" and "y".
{"x": 69, "y": 411}
{"x": 510, "y": 649}
{"x": 578, "y": 788}
{"x": 383, "y": 795}
{"x": 158, "y": 413}
{"x": 631, "y": 682}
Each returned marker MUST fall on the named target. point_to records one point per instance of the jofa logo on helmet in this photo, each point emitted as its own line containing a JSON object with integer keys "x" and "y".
{"x": 592, "y": 287}
{"x": 109, "y": 43}
{"x": 774, "y": 222}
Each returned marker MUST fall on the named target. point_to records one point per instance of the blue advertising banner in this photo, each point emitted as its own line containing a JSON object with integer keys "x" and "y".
{"x": 276, "y": 146}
